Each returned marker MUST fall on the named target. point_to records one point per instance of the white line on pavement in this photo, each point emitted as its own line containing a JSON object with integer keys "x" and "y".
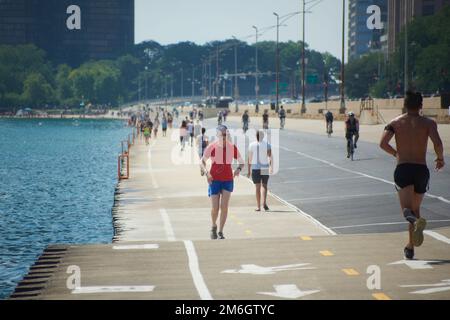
{"x": 136, "y": 247}
{"x": 149, "y": 154}
{"x": 437, "y": 236}
{"x": 199, "y": 282}
{"x": 360, "y": 173}
{"x": 316, "y": 180}
{"x": 343, "y": 197}
{"x": 112, "y": 289}
{"x": 386, "y": 224}
{"x": 167, "y": 225}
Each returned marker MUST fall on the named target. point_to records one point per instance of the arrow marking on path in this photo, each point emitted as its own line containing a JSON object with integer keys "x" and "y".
{"x": 258, "y": 270}
{"x": 288, "y": 291}
{"x": 443, "y": 286}
{"x": 416, "y": 264}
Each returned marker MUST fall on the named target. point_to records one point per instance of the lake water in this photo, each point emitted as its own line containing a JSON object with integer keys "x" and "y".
{"x": 57, "y": 181}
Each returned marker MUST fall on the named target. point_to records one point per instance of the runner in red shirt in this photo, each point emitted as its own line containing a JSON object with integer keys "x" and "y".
{"x": 220, "y": 177}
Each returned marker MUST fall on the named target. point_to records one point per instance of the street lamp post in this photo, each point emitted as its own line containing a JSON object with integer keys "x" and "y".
{"x": 256, "y": 71}
{"x": 303, "y": 109}
{"x": 146, "y": 83}
{"x": 342, "y": 108}
{"x": 193, "y": 79}
{"x": 182, "y": 82}
{"x": 277, "y": 62}
{"x": 405, "y": 89}
{"x": 236, "y": 88}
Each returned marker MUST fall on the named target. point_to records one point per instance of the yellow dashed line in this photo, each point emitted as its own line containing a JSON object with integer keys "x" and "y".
{"x": 306, "y": 238}
{"x": 233, "y": 216}
{"x": 248, "y": 231}
{"x": 380, "y": 296}
{"x": 326, "y": 253}
{"x": 240, "y": 223}
{"x": 351, "y": 272}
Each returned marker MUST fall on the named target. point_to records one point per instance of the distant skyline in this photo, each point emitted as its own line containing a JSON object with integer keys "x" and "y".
{"x": 202, "y": 21}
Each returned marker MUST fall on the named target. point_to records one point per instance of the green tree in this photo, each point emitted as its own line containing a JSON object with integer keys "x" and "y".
{"x": 37, "y": 91}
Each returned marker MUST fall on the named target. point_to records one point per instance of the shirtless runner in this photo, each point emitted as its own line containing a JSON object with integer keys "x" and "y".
{"x": 411, "y": 131}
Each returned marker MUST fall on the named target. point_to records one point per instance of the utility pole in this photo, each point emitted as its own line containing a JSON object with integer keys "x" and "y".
{"x": 193, "y": 79}
{"x": 182, "y": 82}
{"x": 217, "y": 72}
{"x": 342, "y": 108}
{"x": 256, "y": 71}
{"x": 236, "y": 88}
{"x": 277, "y": 62}
{"x": 303, "y": 109}
{"x": 405, "y": 89}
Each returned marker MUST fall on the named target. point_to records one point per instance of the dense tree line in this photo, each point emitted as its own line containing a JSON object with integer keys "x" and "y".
{"x": 150, "y": 70}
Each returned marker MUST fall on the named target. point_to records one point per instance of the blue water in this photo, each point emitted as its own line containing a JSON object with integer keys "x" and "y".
{"x": 57, "y": 181}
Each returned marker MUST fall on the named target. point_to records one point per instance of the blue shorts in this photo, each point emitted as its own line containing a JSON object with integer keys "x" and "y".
{"x": 216, "y": 187}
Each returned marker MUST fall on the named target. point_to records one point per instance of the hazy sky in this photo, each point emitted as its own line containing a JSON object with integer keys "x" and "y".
{"x": 201, "y": 21}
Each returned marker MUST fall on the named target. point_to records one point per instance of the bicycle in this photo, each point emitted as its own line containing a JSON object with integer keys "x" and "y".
{"x": 245, "y": 127}
{"x": 329, "y": 128}
{"x": 282, "y": 123}
{"x": 350, "y": 146}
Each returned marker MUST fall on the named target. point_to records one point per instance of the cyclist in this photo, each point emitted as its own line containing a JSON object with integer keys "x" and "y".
{"x": 265, "y": 119}
{"x": 282, "y": 115}
{"x": 245, "y": 121}
{"x": 351, "y": 129}
{"x": 329, "y": 120}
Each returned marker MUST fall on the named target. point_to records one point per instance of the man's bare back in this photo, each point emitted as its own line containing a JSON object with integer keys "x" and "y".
{"x": 411, "y": 137}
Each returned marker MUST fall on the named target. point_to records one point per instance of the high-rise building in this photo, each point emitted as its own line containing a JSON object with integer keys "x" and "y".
{"x": 361, "y": 38}
{"x": 402, "y": 11}
{"x": 70, "y": 31}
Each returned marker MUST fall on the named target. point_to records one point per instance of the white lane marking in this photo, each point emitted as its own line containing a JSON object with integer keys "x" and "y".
{"x": 136, "y": 247}
{"x": 288, "y": 291}
{"x": 297, "y": 209}
{"x": 199, "y": 282}
{"x": 416, "y": 264}
{"x": 360, "y": 173}
{"x": 389, "y": 223}
{"x": 344, "y": 197}
{"x": 444, "y": 285}
{"x": 316, "y": 180}
{"x": 258, "y": 270}
{"x": 112, "y": 289}
{"x": 437, "y": 236}
{"x": 299, "y": 168}
{"x": 167, "y": 225}
{"x": 150, "y": 168}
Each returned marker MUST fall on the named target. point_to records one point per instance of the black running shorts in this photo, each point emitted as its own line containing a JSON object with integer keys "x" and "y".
{"x": 257, "y": 177}
{"x": 411, "y": 174}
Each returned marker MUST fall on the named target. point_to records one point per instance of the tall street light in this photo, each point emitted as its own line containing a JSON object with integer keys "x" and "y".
{"x": 236, "y": 88}
{"x": 405, "y": 89}
{"x": 277, "y": 61}
{"x": 303, "y": 109}
{"x": 182, "y": 82}
{"x": 193, "y": 80}
{"x": 342, "y": 108}
{"x": 256, "y": 71}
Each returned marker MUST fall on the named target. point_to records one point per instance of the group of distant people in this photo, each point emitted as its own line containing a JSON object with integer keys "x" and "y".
{"x": 411, "y": 131}
{"x": 145, "y": 126}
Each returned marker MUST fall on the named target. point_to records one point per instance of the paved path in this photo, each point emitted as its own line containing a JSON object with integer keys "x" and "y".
{"x": 162, "y": 250}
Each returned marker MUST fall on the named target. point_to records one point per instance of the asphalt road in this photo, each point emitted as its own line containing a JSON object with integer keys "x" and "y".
{"x": 349, "y": 197}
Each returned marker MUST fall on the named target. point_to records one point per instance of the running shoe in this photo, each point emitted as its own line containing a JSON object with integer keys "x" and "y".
{"x": 266, "y": 207}
{"x": 214, "y": 233}
{"x": 409, "y": 253}
{"x": 419, "y": 226}
{"x": 221, "y": 235}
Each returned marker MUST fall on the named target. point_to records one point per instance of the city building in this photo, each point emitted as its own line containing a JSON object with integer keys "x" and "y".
{"x": 401, "y": 11}
{"x": 361, "y": 38}
{"x": 69, "y": 31}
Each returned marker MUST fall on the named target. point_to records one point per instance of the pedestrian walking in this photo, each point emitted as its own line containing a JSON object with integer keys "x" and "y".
{"x": 190, "y": 128}
{"x": 202, "y": 143}
{"x": 183, "y": 134}
{"x": 164, "y": 125}
{"x": 260, "y": 166}
{"x": 220, "y": 177}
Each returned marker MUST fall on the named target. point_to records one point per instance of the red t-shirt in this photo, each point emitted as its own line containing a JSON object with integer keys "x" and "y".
{"x": 221, "y": 158}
